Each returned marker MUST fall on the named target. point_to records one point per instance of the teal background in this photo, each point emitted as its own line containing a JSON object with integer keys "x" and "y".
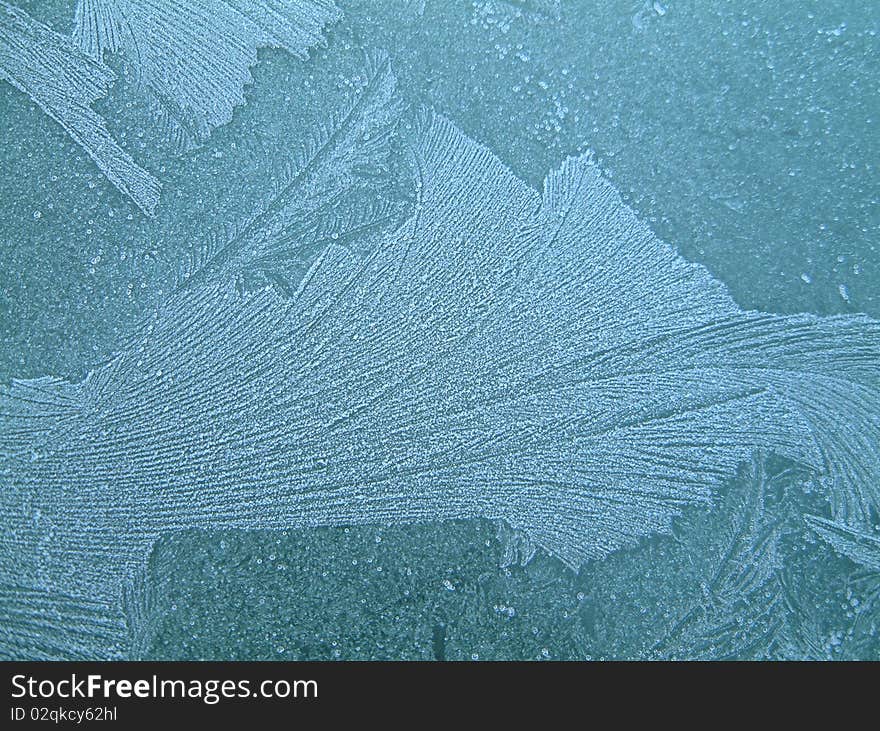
{"x": 744, "y": 133}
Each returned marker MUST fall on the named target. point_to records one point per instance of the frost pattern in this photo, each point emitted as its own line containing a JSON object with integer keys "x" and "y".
{"x": 64, "y": 83}
{"x": 194, "y": 56}
{"x": 741, "y": 605}
{"x": 337, "y": 189}
{"x": 809, "y": 634}
{"x": 716, "y": 592}
{"x": 542, "y": 360}
{"x": 859, "y": 545}
{"x": 49, "y": 625}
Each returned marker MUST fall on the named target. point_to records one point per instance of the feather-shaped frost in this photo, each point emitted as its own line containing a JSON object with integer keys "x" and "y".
{"x": 64, "y": 83}
{"x": 541, "y": 360}
{"x": 714, "y": 592}
{"x": 332, "y": 191}
{"x": 858, "y": 545}
{"x": 194, "y": 56}
{"x": 50, "y": 625}
{"x": 852, "y": 636}
{"x": 741, "y": 603}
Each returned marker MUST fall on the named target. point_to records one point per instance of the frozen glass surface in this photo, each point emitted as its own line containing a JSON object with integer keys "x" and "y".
{"x": 335, "y": 329}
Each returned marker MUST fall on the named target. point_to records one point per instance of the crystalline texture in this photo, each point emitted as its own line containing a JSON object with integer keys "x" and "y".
{"x": 714, "y": 592}
{"x": 541, "y": 360}
{"x": 332, "y": 191}
{"x": 858, "y": 545}
{"x": 194, "y": 56}
{"x": 64, "y": 83}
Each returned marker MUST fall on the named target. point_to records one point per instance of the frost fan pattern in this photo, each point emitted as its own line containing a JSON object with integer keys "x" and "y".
{"x": 64, "y": 83}
{"x": 540, "y": 359}
{"x": 194, "y": 56}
